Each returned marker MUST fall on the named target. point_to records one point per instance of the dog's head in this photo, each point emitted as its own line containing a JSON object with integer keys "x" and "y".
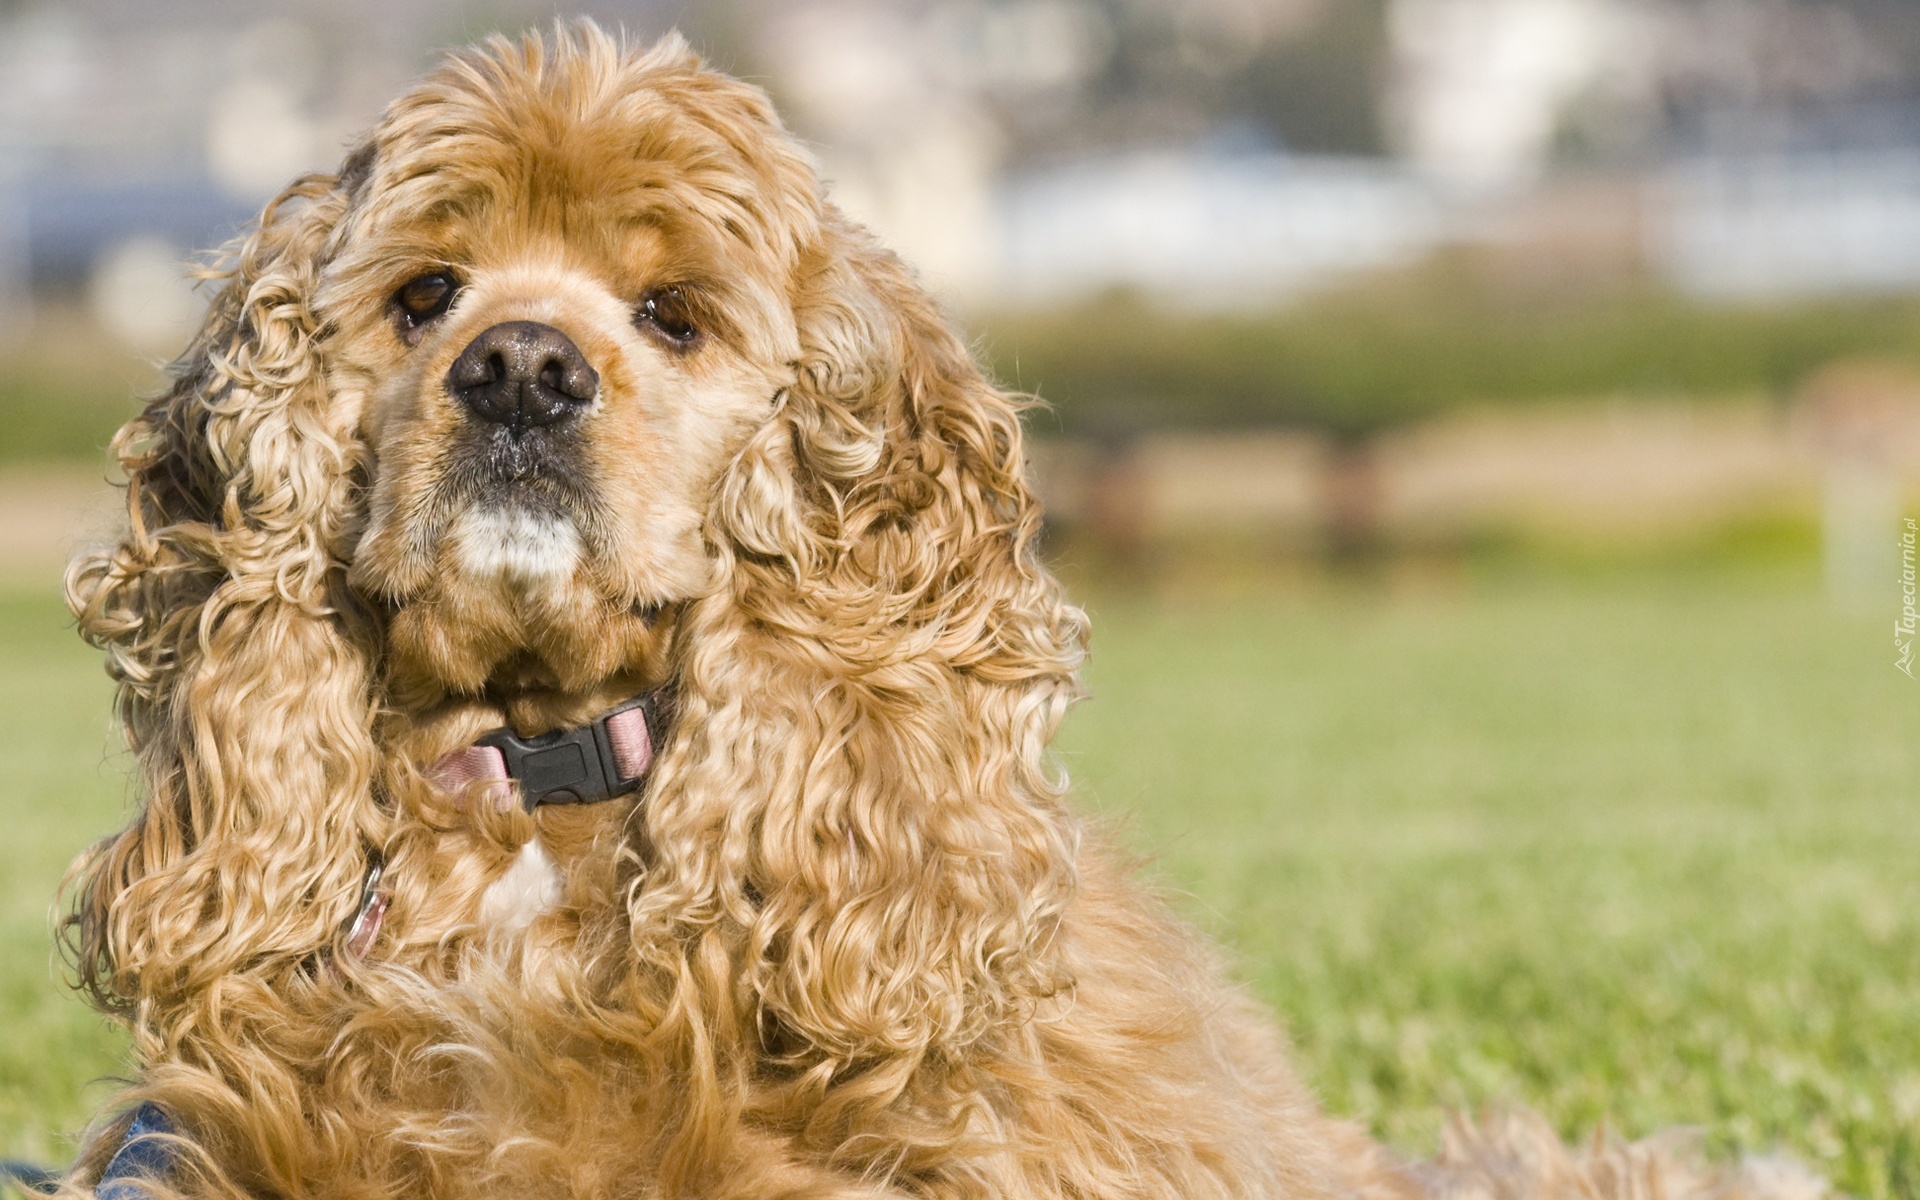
{"x": 568, "y": 382}
{"x": 565, "y": 289}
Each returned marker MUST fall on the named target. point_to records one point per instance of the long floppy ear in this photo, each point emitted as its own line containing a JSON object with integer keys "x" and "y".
{"x": 243, "y": 678}
{"x": 857, "y": 808}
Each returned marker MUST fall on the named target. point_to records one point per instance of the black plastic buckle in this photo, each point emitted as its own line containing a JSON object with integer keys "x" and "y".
{"x": 571, "y": 766}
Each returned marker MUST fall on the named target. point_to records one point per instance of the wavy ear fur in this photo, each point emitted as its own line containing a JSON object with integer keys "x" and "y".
{"x": 857, "y": 808}
{"x": 244, "y": 678}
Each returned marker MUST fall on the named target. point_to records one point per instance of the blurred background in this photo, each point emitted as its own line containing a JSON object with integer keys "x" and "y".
{"x": 1299, "y": 277}
{"x": 1483, "y": 431}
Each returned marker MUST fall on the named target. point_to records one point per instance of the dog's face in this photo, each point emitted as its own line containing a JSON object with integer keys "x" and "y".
{"x": 555, "y": 314}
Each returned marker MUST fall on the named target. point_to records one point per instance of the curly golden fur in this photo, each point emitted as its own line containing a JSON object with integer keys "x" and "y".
{"x": 851, "y": 940}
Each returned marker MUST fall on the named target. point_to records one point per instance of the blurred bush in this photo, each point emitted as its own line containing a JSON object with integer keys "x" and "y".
{"x": 1395, "y": 350}
{"x": 48, "y": 422}
{"x": 65, "y": 387}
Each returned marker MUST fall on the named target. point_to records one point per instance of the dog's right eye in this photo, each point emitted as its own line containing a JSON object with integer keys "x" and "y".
{"x": 667, "y": 312}
{"x": 421, "y": 300}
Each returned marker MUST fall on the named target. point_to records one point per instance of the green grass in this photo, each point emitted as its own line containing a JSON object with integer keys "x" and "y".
{"x": 1626, "y": 849}
{"x": 65, "y": 787}
{"x": 1640, "y": 848}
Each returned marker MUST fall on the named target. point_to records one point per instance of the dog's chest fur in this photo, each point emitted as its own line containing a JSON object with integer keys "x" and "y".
{"x": 529, "y": 886}
{"x": 539, "y": 876}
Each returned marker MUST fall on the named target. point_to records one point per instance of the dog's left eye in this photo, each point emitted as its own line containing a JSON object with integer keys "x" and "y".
{"x": 422, "y": 299}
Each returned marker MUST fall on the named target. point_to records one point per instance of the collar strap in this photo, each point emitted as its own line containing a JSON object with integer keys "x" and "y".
{"x": 605, "y": 758}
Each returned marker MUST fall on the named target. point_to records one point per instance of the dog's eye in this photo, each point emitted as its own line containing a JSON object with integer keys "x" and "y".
{"x": 665, "y": 311}
{"x": 423, "y": 299}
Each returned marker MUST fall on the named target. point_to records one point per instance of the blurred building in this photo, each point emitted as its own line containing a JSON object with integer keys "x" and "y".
{"x": 1743, "y": 226}
{"x": 1024, "y": 152}
{"x": 135, "y": 136}
{"x": 1208, "y": 229}
{"x": 1032, "y": 151}
{"x": 1481, "y": 90}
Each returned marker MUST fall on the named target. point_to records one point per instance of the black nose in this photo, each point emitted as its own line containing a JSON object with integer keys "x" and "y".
{"x": 522, "y": 374}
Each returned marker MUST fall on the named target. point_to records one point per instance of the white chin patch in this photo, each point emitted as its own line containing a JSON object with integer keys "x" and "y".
{"x": 528, "y": 887}
{"x": 517, "y": 547}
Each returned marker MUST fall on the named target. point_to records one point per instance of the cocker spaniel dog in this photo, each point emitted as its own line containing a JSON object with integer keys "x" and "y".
{"x": 580, "y": 630}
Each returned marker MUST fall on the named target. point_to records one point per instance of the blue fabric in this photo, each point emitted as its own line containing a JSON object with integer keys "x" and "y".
{"x": 28, "y": 1177}
{"x": 143, "y": 1154}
